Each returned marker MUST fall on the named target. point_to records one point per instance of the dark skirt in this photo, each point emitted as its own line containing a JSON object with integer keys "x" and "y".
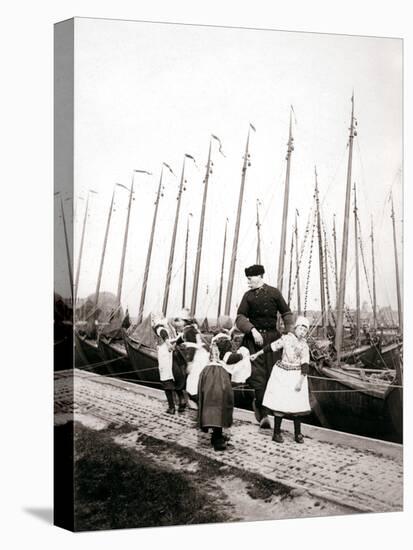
{"x": 179, "y": 380}
{"x": 216, "y": 398}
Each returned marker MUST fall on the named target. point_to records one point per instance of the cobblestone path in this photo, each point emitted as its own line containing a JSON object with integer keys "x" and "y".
{"x": 362, "y": 480}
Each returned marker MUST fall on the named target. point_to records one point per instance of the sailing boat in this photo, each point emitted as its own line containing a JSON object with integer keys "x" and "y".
{"x": 86, "y": 319}
{"x": 99, "y": 344}
{"x": 346, "y": 397}
{"x": 140, "y": 340}
{"x": 112, "y": 344}
{"x": 369, "y": 352}
{"x": 63, "y": 313}
{"x": 109, "y": 332}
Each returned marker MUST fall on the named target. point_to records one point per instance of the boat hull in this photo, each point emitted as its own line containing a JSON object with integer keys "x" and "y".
{"x": 394, "y": 404}
{"x": 117, "y": 361}
{"x": 366, "y": 354}
{"x": 88, "y": 356}
{"x": 387, "y": 357}
{"x": 144, "y": 362}
{"x": 341, "y": 405}
{"x": 384, "y": 357}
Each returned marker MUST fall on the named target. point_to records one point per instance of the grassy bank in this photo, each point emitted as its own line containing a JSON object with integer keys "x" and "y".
{"x": 117, "y": 488}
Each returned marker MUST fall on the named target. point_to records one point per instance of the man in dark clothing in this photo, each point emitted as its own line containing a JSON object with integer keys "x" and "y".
{"x": 257, "y": 319}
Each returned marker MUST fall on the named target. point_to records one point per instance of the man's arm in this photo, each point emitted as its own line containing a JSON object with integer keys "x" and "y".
{"x": 285, "y": 312}
{"x": 244, "y": 324}
{"x": 242, "y": 320}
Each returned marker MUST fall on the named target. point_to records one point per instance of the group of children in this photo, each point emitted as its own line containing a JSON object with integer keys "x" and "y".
{"x": 208, "y": 376}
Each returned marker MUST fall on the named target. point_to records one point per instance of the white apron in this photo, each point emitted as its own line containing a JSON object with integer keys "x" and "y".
{"x": 280, "y": 394}
{"x": 194, "y": 369}
{"x": 239, "y": 371}
{"x": 165, "y": 358}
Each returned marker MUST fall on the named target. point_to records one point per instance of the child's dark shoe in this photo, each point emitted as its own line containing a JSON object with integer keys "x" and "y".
{"x": 278, "y": 438}
{"x": 171, "y": 410}
{"x": 265, "y": 423}
{"x": 299, "y": 438}
{"x": 219, "y": 444}
{"x": 182, "y": 407}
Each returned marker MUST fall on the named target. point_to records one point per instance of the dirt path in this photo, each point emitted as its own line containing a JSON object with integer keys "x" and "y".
{"x": 254, "y": 477}
{"x": 238, "y": 495}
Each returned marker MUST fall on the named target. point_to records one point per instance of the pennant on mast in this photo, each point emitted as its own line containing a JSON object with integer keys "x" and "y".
{"x": 220, "y": 144}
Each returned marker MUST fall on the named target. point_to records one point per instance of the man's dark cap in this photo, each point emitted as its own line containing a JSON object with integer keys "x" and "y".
{"x": 254, "y": 270}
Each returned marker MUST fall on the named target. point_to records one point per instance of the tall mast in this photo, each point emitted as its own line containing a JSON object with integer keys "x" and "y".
{"x": 221, "y": 282}
{"x": 396, "y": 263}
{"x": 105, "y": 241}
{"x": 290, "y": 149}
{"x": 335, "y": 255}
{"x": 258, "y": 260}
{"x": 298, "y": 266}
{"x": 185, "y": 265}
{"x": 374, "y": 277}
{"x": 327, "y": 286}
{"x": 125, "y": 241}
{"x": 69, "y": 261}
{"x": 150, "y": 247}
{"x": 82, "y": 239}
{"x": 343, "y": 264}
{"x": 320, "y": 260}
{"x": 230, "y": 286}
{"x": 173, "y": 241}
{"x": 291, "y": 267}
{"x": 201, "y": 233}
{"x": 357, "y": 267}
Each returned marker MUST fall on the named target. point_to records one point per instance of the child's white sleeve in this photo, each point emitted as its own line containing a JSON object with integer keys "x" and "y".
{"x": 278, "y": 344}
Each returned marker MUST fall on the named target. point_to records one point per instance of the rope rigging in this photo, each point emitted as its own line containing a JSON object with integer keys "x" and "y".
{"x": 364, "y": 263}
{"x": 310, "y": 258}
{"x": 327, "y": 286}
{"x": 306, "y": 233}
{"x": 329, "y": 253}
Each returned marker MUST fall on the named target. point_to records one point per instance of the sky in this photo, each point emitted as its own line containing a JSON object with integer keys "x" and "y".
{"x": 147, "y": 93}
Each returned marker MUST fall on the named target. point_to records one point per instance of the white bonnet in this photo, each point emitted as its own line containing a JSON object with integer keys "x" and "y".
{"x": 219, "y": 336}
{"x": 302, "y": 321}
{"x": 158, "y": 319}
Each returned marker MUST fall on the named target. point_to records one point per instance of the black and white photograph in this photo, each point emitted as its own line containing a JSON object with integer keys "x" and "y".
{"x": 205, "y": 254}
{"x": 230, "y": 255}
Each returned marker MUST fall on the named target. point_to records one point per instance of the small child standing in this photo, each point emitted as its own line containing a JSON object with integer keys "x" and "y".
{"x": 197, "y": 358}
{"x": 237, "y": 363}
{"x": 172, "y": 365}
{"x": 215, "y": 396}
{"x": 286, "y": 393}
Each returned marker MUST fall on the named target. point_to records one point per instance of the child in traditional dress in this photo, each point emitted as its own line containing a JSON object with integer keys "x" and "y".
{"x": 215, "y": 397}
{"x": 171, "y": 363}
{"x": 286, "y": 393}
{"x": 197, "y": 357}
{"x": 238, "y": 363}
